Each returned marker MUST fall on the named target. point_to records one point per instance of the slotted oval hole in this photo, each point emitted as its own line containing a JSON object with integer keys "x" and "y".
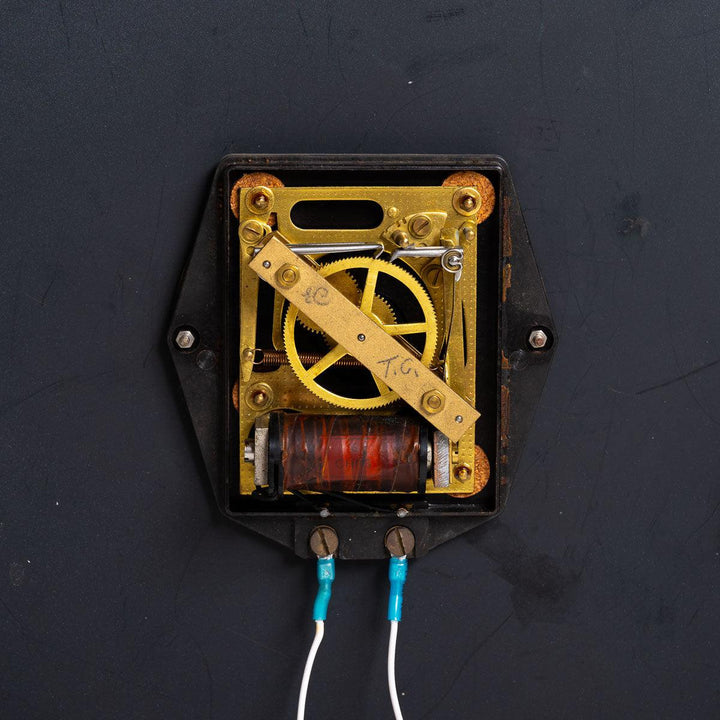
{"x": 336, "y": 214}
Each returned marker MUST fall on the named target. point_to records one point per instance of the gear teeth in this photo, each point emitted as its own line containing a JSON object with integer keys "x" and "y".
{"x": 406, "y": 278}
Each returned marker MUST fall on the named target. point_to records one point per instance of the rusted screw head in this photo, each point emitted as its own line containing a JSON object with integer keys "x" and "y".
{"x": 252, "y": 231}
{"x": 463, "y": 473}
{"x": 287, "y": 275}
{"x": 420, "y": 226}
{"x": 538, "y": 339}
{"x": 399, "y": 541}
{"x": 185, "y": 339}
{"x": 323, "y": 541}
{"x": 433, "y": 401}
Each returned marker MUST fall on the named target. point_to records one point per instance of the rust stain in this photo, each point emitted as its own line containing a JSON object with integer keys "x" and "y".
{"x": 506, "y": 236}
{"x": 504, "y": 361}
{"x": 504, "y": 416}
{"x": 469, "y": 178}
{"x": 252, "y": 180}
{"x": 507, "y": 280}
{"x": 235, "y": 395}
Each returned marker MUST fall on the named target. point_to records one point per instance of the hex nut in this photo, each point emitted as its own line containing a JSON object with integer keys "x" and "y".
{"x": 538, "y": 339}
{"x": 185, "y": 339}
{"x": 259, "y": 200}
{"x": 466, "y": 201}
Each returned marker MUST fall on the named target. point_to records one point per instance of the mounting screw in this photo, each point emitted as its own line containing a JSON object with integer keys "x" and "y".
{"x": 361, "y": 338}
{"x": 458, "y": 419}
{"x": 287, "y": 275}
{"x": 420, "y": 226}
{"x": 324, "y": 541}
{"x": 266, "y": 264}
{"x": 259, "y": 200}
{"x": 185, "y": 339}
{"x": 402, "y": 512}
{"x": 538, "y": 339}
{"x": 392, "y": 212}
{"x": 463, "y": 473}
{"x": 399, "y": 541}
{"x": 432, "y": 402}
{"x": 252, "y": 231}
{"x": 466, "y": 200}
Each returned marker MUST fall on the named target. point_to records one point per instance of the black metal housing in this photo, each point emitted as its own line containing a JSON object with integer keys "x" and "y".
{"x": 511, "y": 303}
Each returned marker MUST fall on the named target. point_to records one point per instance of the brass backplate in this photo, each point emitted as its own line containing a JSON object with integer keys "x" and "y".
{"x": 453, "y": 299}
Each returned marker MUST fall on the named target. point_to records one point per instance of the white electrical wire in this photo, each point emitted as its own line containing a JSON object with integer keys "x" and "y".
{"x": 391, "y": 670}
{"x": 319, "y": 633}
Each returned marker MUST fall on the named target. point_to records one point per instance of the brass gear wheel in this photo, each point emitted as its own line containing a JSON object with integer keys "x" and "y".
{"x": 375, "y": 307}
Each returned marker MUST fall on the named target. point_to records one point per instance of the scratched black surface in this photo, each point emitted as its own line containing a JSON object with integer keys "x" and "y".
{"x": 123, "y": 593}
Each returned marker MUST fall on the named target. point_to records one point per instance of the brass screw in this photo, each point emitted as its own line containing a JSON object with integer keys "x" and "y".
{"x": 432, "y": 274}
{"x": 401, "y": 238}
{"x": 468, "y": 232}
{"x": 252, "y": 231}
{"x": 399, "y": 541}
{"x": 392, "y": 212}
{"x": 420, "y": 226}
{"x": 463, "y": 473}
{"x": 287, "y": 275}
{"x": 433, "y": 402}
{"x": 324, "y": 541}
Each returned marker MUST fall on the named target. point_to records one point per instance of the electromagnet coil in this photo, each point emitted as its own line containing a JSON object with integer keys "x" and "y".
{"x": 350, "y": 453}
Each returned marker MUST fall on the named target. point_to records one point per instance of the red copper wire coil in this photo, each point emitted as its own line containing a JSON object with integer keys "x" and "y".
{"x": 346, "y": 453}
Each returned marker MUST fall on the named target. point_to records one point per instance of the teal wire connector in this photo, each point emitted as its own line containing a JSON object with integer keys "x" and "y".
{"x": 397, "y": 575}
{"x": 325, "y": 575}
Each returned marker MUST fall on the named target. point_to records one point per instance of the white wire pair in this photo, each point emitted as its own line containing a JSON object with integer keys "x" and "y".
{"x": 392, "y": 645}
{"x": 319, "y": 634}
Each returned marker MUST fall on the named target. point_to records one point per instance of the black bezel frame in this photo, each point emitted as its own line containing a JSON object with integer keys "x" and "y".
{"x": 207, "y": 303}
